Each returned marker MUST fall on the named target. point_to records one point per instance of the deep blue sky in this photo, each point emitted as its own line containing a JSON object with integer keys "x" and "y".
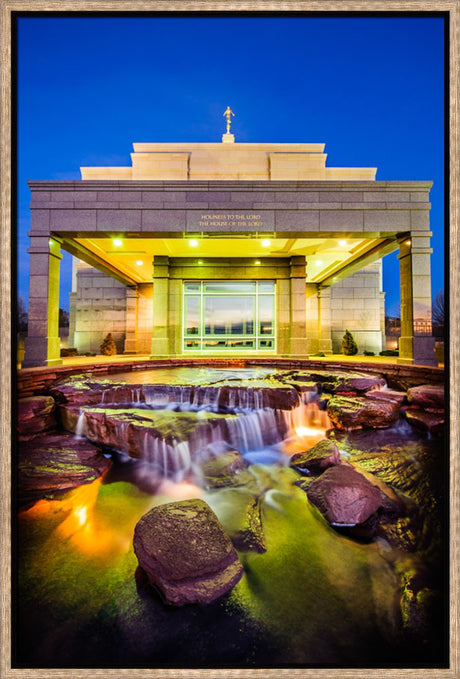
{"x": 370, "y": 88}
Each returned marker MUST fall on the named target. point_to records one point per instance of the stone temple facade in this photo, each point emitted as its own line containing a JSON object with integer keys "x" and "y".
{"x": 228, "y": 249}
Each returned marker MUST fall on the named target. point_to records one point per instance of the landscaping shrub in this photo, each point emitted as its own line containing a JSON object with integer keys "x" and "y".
{"x": 369, "y": 353}
{"x": 108, "y": 347}
{"x": 349, "y": 346}
{"x": 389, "y": 352}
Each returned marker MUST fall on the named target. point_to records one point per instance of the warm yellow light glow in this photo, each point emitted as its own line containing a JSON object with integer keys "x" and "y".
{"x": 306, "y": 431}
{"x": 82, "y": 515}
{"x": 408, "y": 242}
{"x": 258, "y": 261}
{"x": 117, "y": 242}
{"x": 342, "y": 243}
{"x": 193, "y": 242}
{"x": 318, "y": 262}
{"x": 139, "y": 262}
{"x": 266, "y": 243}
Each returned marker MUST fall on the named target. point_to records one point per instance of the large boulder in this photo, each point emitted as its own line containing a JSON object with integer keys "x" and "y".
{"x": 427, "y": 396}
{"x": 185, "y": 553}
{"x": 318, "y": 458}
{"x": 35, "y": 416}
{"x": 359, "y": 412}
{"x": 54, "y": 463}
{"x": 344, "y": 497}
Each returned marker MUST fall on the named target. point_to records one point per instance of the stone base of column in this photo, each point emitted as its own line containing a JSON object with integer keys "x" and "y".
{"x": 42, "y": 351}
{"x": 159, "y": 348}
{"x": 130, "y": 346}
{"x": 417, "y": 351}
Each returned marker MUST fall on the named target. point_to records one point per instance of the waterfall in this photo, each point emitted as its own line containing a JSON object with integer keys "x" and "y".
{"x": 80, "y": 428}
{"x": 253, "y": 430}
{"x": 170, "y": 459}
{"x": 307, "y": 417}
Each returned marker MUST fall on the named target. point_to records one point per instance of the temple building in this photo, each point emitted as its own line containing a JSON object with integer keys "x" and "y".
{"x": 224, "y": 249}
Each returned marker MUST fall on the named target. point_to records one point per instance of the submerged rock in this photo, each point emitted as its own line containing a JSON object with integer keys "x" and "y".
{"x": 55, "y": 463}
{"x": 361, "y": 412}
{"x": 185, "y": 553}
{"x": 315, "y": 460}
{"x": 35, "y": 416}
{"x": 344, "y": 497}
{"x": 239, "y": 510}
{"x": 224, "y": 466}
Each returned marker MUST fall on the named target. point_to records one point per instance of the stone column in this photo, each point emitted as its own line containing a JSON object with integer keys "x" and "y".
{"x": 72, "y": 318}
{"x": 416, "y": 344}
{"x": 324, "y": 321}
{"x": 160, "y": 347}
{"x": 132, "y": 295}
{"x": 298, "y": 308}
{"x": 42, "y": 346}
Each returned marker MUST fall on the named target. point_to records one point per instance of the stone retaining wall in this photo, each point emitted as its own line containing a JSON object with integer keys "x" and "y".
{"x": 34, "y": 381}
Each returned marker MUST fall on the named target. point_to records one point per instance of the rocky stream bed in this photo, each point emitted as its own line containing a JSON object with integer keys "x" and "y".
{"x": 213, "y": 518}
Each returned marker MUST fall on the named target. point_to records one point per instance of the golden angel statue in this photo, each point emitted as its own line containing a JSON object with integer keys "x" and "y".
{"x": 228, "y": 113}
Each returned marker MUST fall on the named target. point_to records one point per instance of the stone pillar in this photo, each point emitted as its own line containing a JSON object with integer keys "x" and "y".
{"x": 324, "y": 321}
{"x": 42, "y": 346}
{"x": 160, "y": 346}
{"x": 416, "y": 344}
{"x": 283, "y": 321}
{"x": 72, "y": 318}
{"x": 311, "y": 290}
{"x": 298, "y": 309}
{"x": 132, "y": 295}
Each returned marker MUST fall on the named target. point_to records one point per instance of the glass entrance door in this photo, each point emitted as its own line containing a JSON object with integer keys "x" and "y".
{"x": 224, "y": 316}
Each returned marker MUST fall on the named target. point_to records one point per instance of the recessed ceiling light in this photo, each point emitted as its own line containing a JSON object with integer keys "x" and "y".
{"x": 266, "y": 243}
{"x": 342, "y": 243}
{"x": 193, "y": 242}
{"x": 139, "y": 262}
{"x": 117, "y": 242}
{"x": 318, "y": 262}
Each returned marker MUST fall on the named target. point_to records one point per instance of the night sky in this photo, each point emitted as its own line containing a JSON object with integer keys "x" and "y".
{"x": 370, "y": 88}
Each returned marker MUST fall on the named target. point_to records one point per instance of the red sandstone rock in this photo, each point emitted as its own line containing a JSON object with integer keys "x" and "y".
{"x": 427, "y": 396}
{"x": 55, "y": 463}
{"x": 361, "y": 412}
{"x": 389, "y": 395}
{"x": 323, "y": 455}
{"x": 35, "y": 416}
{"x": 432, "y": 423}
{"x": 334, "y": 381}
{"x": 344, "y": 496}
{"x": 185, "y": 553}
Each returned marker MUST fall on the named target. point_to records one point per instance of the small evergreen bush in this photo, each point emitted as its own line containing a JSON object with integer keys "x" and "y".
{"x": 108, "y": 346}
{"x": 349, "y": 346}
{"x": 389, "y": 352}
{"x": 368, "y": 353}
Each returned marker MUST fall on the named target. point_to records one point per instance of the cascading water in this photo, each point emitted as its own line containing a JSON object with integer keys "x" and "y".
{"x": 171, "y": 428}
{"x": 80, "y": 426}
